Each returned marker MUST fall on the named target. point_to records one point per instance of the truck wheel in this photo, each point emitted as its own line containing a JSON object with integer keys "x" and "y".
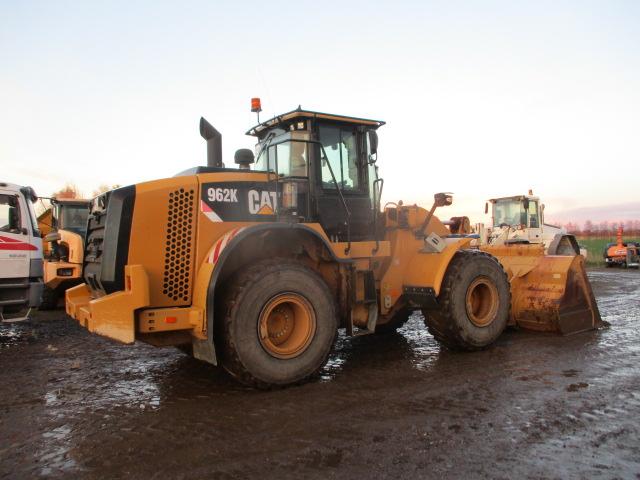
{"x": 49, "y": 299}
{"x": 398, "y": 320}
{"x": 278, "y": 324}
{"x": 474, "y": 302}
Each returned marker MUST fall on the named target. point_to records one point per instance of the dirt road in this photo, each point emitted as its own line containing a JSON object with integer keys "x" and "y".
{"x": 393, "y": 406}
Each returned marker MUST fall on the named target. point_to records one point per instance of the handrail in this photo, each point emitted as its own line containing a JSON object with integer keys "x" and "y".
{"x": 376, "y": 210}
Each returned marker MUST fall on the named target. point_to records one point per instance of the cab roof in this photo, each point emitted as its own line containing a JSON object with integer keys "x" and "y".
{"x": 72, "y": 201}
{"x": 299, "y": 113}
{"x": 517, "y": 198}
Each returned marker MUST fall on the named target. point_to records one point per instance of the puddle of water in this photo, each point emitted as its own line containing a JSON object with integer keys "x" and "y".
{"x": 424, "y": 349}
{"x": 55, "y": 452}
{"x": 14, "y": 334}
{"x": 135, "y": 389}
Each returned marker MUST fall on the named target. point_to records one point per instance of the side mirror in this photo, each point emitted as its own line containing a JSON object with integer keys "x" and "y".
{"x": 373, "y": 142}
{"x": 486, "y": 207}
{"x": 442, "y": 199}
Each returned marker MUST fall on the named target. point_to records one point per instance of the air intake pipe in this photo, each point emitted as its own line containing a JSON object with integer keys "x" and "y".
{"x": 214, "y": 143}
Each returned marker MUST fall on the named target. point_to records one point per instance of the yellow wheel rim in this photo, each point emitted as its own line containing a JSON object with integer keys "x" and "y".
{"x": 286, "y": 325}
{"x": 482, "y": 302}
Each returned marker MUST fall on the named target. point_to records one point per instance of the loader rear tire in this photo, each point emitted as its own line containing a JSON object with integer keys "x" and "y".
{"x": 278, "y": 325}
{"x": 49, "y": 299}
{"x": 474, "y": 302}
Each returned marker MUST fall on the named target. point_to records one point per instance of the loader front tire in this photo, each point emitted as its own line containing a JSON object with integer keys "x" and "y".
{"x": 278, "y": 325}
{"x": 474, "y": 302}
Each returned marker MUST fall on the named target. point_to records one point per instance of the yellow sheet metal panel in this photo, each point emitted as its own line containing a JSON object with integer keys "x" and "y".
{"x": 75, "y": 244}
{"x": 75, "y": 298}
{"x": 428, "y": 269}
{"x": 168, "y": 319}
{"x": 113, "y": 315}
{"x": 407, "y": 266}
{"x": 163, "y": 235}
{"x": 51, "y": 277}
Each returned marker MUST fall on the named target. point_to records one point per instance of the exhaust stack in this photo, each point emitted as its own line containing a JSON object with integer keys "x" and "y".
{"x": 214, "y": 143}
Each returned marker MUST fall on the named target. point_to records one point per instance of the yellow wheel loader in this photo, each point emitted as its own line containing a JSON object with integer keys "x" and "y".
{"x": 257, "y": 267}
{"x": 520, "y": 219}
{"x": 64, "y": 225}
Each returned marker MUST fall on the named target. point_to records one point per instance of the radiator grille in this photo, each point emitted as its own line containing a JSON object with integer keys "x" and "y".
{"x": 178, "y": 245}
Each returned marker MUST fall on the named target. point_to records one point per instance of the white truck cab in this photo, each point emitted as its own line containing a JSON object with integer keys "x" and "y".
{"x": 21, "y": 264}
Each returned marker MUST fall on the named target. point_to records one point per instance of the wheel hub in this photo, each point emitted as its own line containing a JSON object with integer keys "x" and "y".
{"x": 286, "y": 325}
{"x": 482, "y": 302}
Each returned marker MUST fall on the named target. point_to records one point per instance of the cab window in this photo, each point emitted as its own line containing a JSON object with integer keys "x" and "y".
{"x": 74, "y": 218}
{"x": 534, "y": 217}
{"x": 341, "y": 149}
{"x": 10, "y": 214}
{"x": 290, "y": 157}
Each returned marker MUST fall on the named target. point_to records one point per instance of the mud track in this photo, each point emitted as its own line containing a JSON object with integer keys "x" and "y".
{"x": 391, "y": 406}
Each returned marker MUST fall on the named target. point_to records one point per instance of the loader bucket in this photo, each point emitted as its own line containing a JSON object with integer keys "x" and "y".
{"x": 549, "y": 293}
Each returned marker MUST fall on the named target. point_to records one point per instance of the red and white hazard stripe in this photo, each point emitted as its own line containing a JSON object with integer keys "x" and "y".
{"x": 219, "y": 246}
{"x": 8, "y": 243}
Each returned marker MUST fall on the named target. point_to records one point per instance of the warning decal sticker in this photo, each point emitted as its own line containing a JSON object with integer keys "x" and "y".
{"x": 239, "y": 201}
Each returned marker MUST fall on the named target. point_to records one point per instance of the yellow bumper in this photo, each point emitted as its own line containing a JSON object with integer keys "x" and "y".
{"x": 51, "y": 277}
{"x": 113, "y": 315}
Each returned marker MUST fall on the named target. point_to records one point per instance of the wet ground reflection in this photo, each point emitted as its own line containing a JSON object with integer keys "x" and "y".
{"x": 534, "y": 404}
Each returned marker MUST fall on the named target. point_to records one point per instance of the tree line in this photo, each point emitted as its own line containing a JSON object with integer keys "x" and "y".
{"x": 603, "y": 229}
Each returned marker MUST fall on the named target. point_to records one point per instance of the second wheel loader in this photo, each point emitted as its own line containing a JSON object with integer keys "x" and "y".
{"x": 64, "y": 225}
{"x": 257, "y": 267}
{"x": 520, "y": 219}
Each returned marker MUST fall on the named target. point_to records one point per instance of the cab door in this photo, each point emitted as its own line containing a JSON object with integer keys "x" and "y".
{"x": 534, "y": 222}
{"x": 341, "y": 172}
{"x": 16, "y": 247}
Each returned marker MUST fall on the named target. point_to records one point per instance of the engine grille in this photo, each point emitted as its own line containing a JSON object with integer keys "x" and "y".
{"x": 107, "y": 242}
{"x": 94, "y": 241}
{"x": 178, "y": 253}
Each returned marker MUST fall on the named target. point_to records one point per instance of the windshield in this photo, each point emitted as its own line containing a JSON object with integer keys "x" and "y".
{"x": 508, "y": 212}
{"x": 74, "y": 218}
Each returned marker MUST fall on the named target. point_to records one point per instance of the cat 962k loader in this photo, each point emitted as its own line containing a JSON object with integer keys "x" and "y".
{"x": 256, "y": 268}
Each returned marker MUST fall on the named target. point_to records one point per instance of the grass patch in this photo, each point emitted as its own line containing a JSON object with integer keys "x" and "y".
{"x": 595, "y": 248}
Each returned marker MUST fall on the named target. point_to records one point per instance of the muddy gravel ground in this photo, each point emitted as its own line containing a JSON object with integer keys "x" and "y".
{"x": 390, "y": 406}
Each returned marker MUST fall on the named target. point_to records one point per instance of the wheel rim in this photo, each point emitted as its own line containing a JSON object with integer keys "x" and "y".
{"x": 286, "y": 325}
{"x": 482, "y": 302}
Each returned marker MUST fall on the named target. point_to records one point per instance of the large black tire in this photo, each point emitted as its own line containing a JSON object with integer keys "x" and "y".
{"x": 49, "y": 299}
{"x": 474, "y": 302}
{"x": 247, "y": 346}
{"x": 399, "y": 319}
{"x": 186, "y": 348}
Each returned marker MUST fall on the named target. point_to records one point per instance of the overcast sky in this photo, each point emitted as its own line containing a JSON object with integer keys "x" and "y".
{"x": 482, "y": 99}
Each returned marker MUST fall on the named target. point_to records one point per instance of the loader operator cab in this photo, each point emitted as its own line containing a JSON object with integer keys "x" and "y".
{"x": 71, "y": 215}
{"x": 324, "y": 166}
{"x": 519, "y": 211}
